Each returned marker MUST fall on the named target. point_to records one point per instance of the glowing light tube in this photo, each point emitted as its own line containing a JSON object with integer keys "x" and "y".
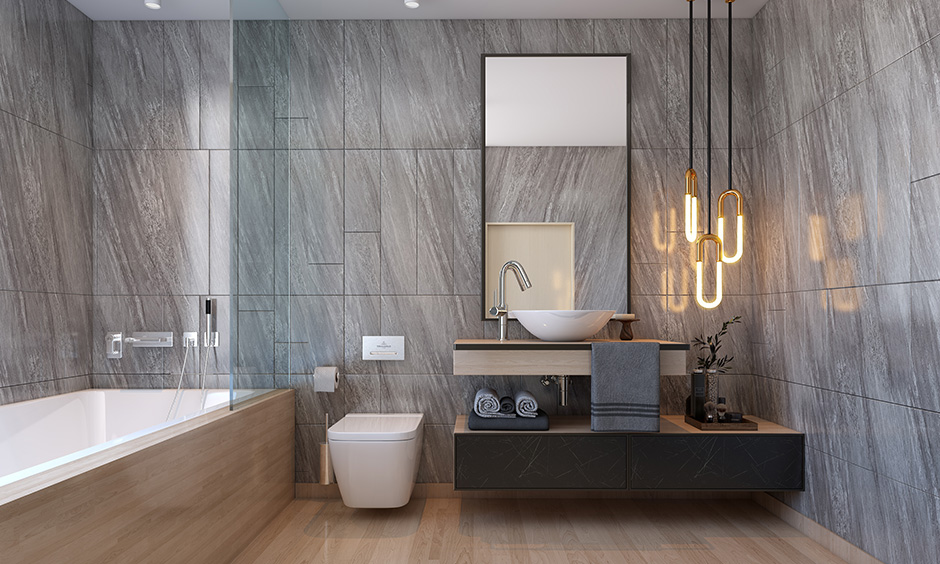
{"x": 699, "y": 272}
{"x": 739, "y": 246}
{"x": 691, "y": 205}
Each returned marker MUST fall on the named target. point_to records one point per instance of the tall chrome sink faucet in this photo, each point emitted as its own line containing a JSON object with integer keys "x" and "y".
{"x": 499, "y": 309}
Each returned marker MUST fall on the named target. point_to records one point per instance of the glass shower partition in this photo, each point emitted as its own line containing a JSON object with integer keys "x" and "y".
{"x": 260, "y": 197}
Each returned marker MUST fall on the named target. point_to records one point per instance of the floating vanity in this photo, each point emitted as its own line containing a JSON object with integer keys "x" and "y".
{"x": 572, "y": 456}
{"x": 679, "y": 457}
{"x": 489, "y": 357}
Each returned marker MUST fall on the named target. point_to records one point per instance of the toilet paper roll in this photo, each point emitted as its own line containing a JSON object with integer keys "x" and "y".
{"x": 325, "y": 378}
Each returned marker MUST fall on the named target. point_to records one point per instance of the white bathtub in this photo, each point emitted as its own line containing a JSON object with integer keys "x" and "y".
{"x": 45, "y": 433}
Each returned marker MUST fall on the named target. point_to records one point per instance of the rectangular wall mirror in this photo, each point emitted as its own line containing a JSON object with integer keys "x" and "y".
{"x": 556, "y": 132}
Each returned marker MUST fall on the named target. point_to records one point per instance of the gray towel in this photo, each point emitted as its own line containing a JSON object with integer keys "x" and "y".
{"x": 526, "y": 404}
{"x": 507, "y": 405}
{"x": 486, "y": 404}
{"x": 625, "y": 386}
{"x": 538, "y": 423}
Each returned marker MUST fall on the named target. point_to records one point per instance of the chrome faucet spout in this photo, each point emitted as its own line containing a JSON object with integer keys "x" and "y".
{"x": 500, "y": 309}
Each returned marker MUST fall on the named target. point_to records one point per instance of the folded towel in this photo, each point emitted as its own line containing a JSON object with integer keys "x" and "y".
{"x": 507, "y": 405}
{"x": 538, "y": 423}
{"x": 625, "y": 386}
{"x": 526, "y": 404}
{"x": 486, "y": 404}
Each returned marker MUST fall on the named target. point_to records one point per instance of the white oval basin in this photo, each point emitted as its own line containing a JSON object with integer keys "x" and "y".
{"x": 563, "y": 324}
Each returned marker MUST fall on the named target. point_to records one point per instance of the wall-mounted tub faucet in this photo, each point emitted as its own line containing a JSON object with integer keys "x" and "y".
{"x": 500, "y": 309}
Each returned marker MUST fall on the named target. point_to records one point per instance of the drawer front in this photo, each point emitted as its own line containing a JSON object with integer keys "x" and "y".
{"x": 520, "y": 462}
{"x": 716, "y": 462}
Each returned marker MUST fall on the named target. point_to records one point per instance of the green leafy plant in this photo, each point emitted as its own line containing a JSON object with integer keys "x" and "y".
{"x": 710, "y": 345}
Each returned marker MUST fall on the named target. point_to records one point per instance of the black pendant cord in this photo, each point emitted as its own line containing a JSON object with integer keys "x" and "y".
{"x": 691, "y": 88}
{"x": 709, "y": 2}
{"x": 730, "y": 98}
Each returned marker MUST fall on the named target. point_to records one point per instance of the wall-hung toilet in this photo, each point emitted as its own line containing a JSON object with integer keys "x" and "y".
{"x": 375, "y": 457}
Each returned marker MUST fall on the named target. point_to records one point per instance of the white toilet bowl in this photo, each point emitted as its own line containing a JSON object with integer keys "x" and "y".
{"x": 375, "y": 457}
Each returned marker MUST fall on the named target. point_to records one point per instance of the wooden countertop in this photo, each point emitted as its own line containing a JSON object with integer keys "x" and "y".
{"x": 668, "y": 425}
{"x": 536, "y": 344}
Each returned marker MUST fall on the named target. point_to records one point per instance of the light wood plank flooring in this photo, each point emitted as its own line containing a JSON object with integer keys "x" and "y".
{"x": 539, "y": 531}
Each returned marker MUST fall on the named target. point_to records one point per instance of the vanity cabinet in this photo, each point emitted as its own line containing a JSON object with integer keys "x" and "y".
{"x": 679, "y": 457}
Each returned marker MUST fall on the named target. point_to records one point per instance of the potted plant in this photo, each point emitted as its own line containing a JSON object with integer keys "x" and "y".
{"x": 710, "y": 363}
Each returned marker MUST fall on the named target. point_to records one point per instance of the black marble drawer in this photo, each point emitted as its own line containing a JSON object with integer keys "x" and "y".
{"x": 497, "y": 462}
{"x": 716, "y": 462}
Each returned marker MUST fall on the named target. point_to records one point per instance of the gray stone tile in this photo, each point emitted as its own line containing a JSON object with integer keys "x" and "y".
{"x": 128, "y": 85}
{"x": 69, "y": 46}
{"x": 255, "y": 225}
{"x": 255, "y": 52}
{"x": 318, "y": 279}
{"x": 46, "y": 212}
{"x": 431, "y": 83}
{"x": 897, "y": 452}
{"x": 468, "y": 221}
{"x": 254, "y": 343}
{"x": 437, "y": 455}
{"x": 363, "y": 393}
{"x": 307, "y": 452}
{"x": 363, "y": 83}
{"x": 925, "y": 350}
{"x": 886, "y": 32}
{"x": 440, "y": 397}
{"x": 649, "y": 83}
{"x": 677, "y": 77}
{"x": 575, "y": 36}
{"x": 26, "y": 392}
{"x": 220, "y": 221}
{"x": 362, "y": 318}
{"x": 214, "y": 89}
{"x": 362, "y": 204}
{"x": 924, "y": 254}
{"x": 926, "y": 19}
{"x": 316, "y": 333}
{"x": 925, "y": 107}
{"x": 317, "y": 84}
{"x": 399, "y": 217}
{"x": 430, "y": 324}
{"x": 127, "y": 314}
{"x": 613, "y": 36}
{"x": 255, "y": 117}
{"x": 165, "y": 195}
{"x": 741, "y": 86}
{"x": 521, "y": 36}
{"x": 181, "y": 85}
{"x": 435, "y": 222}
{"x": 316, "y": 207}
{"x": 363, "y": 266}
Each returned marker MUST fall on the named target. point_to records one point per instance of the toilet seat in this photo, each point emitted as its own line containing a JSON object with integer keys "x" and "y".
{"x": 374, "y": 427}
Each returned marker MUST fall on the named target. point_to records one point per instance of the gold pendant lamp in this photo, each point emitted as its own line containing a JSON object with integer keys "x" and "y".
{"x": 702, "y": 241}
{"x": 691, "y": 178}
{"x": 739, "y": 228}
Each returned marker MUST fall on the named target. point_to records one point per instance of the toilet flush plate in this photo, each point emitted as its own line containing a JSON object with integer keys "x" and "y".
{"x": 383, "y": 348}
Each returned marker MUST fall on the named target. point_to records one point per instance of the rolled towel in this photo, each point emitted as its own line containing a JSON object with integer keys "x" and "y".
{"x": 507, "y": 405}
{"x": 526, "y": 404}
{"x": 486, "y": 404}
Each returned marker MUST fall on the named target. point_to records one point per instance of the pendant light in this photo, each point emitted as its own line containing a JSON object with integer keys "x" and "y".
{"x": 701, "y": 242}
{"x": 691, "y": 178}
{"x": 739, "y": 229}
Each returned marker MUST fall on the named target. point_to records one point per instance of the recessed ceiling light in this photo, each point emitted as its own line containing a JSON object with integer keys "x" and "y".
{"x": 412, "y": 3}
{"x": 152, "y": 4}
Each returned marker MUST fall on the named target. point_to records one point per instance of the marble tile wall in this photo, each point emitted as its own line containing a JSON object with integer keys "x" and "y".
{"x": 161, "y": 194}
{"x": 359, "y": 207}
{"x": 847, "y": 178}
{"x": 46, "y": 216}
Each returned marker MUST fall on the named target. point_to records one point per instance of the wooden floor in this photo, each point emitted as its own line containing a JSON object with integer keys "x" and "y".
{"x": 482, "y": 531}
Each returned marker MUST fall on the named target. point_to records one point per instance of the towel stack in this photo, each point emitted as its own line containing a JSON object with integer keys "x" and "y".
{"x": 508, "y": 413}
{"x": 490, "y": 405}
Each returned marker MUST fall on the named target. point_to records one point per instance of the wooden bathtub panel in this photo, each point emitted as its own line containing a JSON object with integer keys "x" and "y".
{"x": 199, "y": 496}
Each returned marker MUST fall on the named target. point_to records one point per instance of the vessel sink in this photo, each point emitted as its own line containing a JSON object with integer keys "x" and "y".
{"x": 561, "y": 324}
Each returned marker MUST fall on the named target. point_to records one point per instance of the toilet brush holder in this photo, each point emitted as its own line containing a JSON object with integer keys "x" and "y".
{"x": 326, "y": 468}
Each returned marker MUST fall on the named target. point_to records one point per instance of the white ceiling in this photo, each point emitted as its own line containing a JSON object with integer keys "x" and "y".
{"x": 395, "y": 9}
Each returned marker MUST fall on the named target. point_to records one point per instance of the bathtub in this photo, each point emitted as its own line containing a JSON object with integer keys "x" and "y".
{"x": 102, "y": 475}
{"x": 45, "y": 433}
